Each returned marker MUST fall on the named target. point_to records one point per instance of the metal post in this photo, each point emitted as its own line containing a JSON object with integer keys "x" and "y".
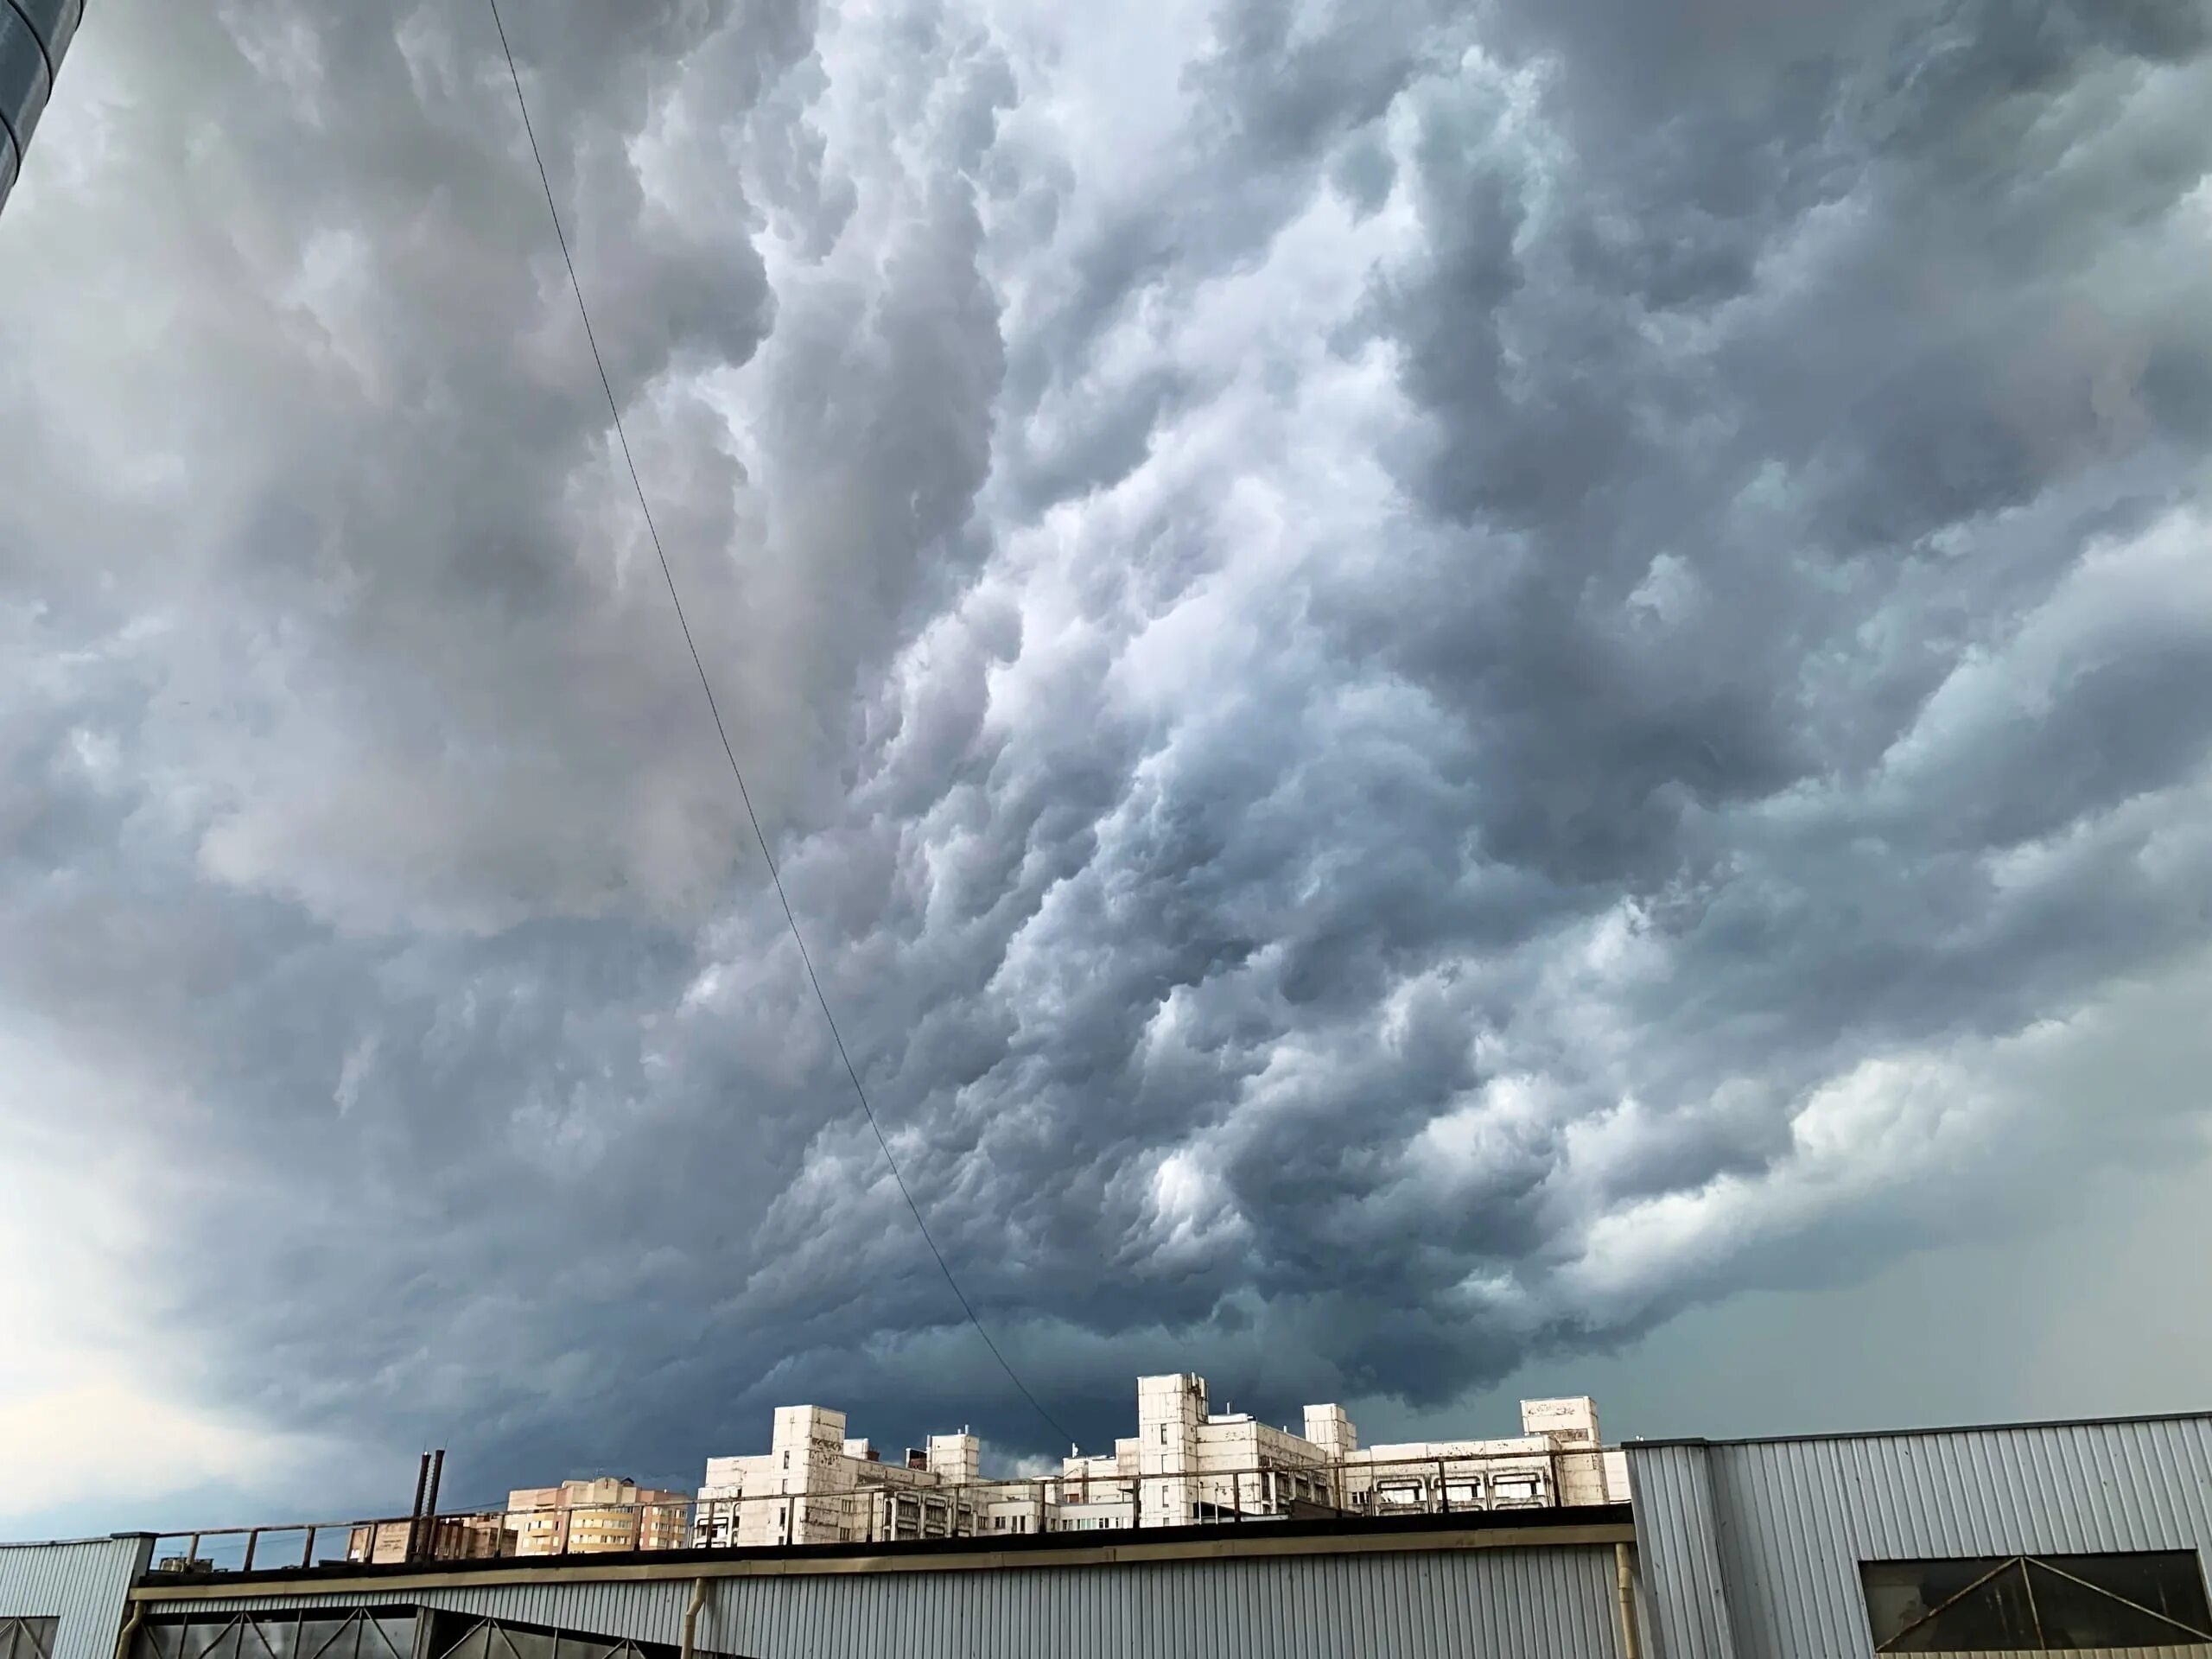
{"x": 1625, "y": 1583}
{"x": 252, "y": 1537}
{"x": 307, "y": 1550}
{"x": 691, "y": 1617}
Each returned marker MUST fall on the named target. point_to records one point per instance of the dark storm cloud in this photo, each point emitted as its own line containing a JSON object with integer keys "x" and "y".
{"x": 1493, "y": 691}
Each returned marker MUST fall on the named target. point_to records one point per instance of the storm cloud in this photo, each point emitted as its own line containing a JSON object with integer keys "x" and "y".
{"x": 1434, "y": 680}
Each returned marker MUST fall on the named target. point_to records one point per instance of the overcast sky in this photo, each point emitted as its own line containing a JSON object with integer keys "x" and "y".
{"x": 1460, "y": 697}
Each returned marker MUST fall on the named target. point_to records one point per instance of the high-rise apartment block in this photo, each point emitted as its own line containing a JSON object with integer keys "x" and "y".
{"x": 602, "y": 1516}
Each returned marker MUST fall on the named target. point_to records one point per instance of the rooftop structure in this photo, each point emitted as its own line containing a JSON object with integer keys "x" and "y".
{"x": 1186, "y": 1464}
{"x": 2013, "y": 1539}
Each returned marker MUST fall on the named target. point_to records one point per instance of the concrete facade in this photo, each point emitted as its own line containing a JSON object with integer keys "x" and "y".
{"x": 814, "y": 1485}
{"x": 603, "y": 1515}
{"x": 453, "y": 1538}
{"x": 1186, "y": 1464}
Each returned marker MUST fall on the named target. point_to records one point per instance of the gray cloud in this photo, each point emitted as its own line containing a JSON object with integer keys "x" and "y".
{"x": 1434, "y": 683}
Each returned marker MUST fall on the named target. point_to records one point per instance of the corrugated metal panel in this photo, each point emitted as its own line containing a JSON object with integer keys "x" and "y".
{"x": 1792, "y": 1520}
{"x": 1544, "y": 1602}
{"x": 84, "y": 1585}
{"x": 1678, "y": 1558}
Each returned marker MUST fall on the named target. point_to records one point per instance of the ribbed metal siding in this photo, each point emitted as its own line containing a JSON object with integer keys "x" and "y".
{"x": 1792, "y": 1520}
{"x": 1552, "y": 1603}
{"x": 1678, "y": 1553}
{"x": 84, "y": 1585}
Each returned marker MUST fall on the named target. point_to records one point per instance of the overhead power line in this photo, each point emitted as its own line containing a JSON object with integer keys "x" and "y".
{"x": 791, "y": 917}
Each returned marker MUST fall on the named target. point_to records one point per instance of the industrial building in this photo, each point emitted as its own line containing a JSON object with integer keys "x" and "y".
{"x": 1184, "y": 1465}
{"x": 33, "y": 36}
{"x": 2013, "y": 1538}
{"x": 2052, "y": 1537}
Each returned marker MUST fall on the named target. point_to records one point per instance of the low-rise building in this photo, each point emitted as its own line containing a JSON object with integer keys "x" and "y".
{"x": 450, "y": 1538}
{"x": 600, "y": 1516}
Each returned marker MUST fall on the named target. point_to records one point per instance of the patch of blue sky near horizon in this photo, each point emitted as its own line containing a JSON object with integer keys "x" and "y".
{"x": 2077, "y": 1321}
{"x": 2072, "y": 1310}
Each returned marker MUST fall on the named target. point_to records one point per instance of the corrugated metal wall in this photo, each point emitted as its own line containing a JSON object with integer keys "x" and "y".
{"x": 1678, "y": 1552}
{"x": 1789, "y": 1522}
{"x": 1543, "y": 1603}
{"x": 84, "y": 1585}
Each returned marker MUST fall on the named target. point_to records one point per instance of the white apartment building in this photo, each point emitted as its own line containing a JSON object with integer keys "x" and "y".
{"x": 815, "y": 1486}
{"x": 1186, "y": 1464}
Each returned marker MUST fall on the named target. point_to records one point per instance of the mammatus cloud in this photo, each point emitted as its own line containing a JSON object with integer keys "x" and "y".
{"x": 1435, "y": 681}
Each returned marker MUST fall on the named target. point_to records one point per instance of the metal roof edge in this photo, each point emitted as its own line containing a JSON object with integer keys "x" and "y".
{"x": 2023, "y": 1426}
{"x": 72, "y": 1544}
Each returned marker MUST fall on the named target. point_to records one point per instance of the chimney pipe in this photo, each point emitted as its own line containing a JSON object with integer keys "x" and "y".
{"x": 415, "y": 1514}
{"x": 430, "y": 1503}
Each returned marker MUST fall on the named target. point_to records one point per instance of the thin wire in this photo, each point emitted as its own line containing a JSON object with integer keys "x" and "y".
{"x": 729, "y": 753}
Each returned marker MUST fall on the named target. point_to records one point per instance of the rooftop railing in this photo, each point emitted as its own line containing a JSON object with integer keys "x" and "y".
{"x": 894, "y": 1504}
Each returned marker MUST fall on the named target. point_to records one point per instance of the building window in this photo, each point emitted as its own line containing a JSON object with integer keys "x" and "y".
{"x": 2037, "y": 1603}
{"x": 28, "y": 1638}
